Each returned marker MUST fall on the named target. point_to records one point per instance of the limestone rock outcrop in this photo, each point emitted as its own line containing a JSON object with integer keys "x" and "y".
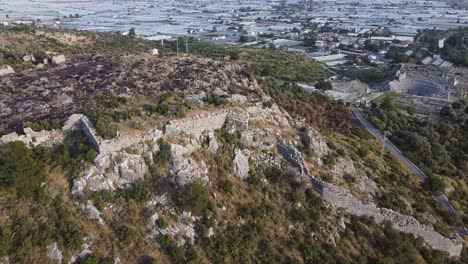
{"x": 115, "y": 170}
{"x": 241, "y": 164}
{"x": 91, "y": 211}
{"x": 6, "y": 70}
{"x": 43, "y": 138}
{"x": 271, "y": 114}
{"x": 59, "y": 59}
{"x": 54, "y": 253}
{"x": 318, "y": 145}
{"x": 184, "y": 168}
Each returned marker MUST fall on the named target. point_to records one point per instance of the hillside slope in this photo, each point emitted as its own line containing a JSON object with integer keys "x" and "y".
{"x": 132, "y": 158}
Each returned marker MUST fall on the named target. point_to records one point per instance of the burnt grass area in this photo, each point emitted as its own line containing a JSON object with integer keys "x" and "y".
{"x": 57, "y": 91}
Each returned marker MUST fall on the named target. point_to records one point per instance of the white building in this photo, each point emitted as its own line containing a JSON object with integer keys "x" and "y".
{"x": 441, "y": 43}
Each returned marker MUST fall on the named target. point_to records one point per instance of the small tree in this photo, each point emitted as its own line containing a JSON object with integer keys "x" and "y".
{"x": 19, "y": 168}
{"x": 411, "y": 110}
{"x": 457, "y": 105}
{"x": 436, "y": 184}
{"x": 234, "y": 54}
{"x": 447, "y": 111}
{"x": 323, "y": 85}
{"x": 387, "y": 103}
{"x": 194, "y": 197}
{"x": 132, "y": 32}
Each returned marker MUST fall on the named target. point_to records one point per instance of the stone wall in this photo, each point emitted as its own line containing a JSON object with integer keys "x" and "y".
{"x": 90, "y": 132}
{"x": 342, "y": 198}
{"x": 116, "y": 144}
{"x": 292, "y": 155}
{"x": 30, "y": 137}
{"x": 197, "y": 124}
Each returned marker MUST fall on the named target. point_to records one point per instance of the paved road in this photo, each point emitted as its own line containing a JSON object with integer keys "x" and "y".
{"x": 392, "y": 148}
{"x": 442, "y": 199}
{"x": 459, "y": 226}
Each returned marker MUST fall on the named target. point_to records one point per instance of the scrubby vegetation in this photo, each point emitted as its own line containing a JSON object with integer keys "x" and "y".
{"x": 437, "y": 146}
{"x": 367, "y": 75}
{"x": 454, "y": 49}
{"x": 194, "y": 196}
{"x": 44, "y": 40}
{"x": 21, "y": 168}
{"x": 46, "y": 124}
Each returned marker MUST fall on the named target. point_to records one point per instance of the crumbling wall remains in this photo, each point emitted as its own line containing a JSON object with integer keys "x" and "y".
{"x": 292, "y": 155}
{"x": 197, "y": 124}
{"x": 31, "y": 137}
{"x": 342, "y": 198}
{"x": 116, "y": 144}
{"x": 90, "y": 133}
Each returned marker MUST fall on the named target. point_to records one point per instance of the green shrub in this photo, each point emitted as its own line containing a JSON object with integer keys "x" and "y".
{"x": 161, "y": 223}
{"x": 125, "y": 234}
{"x": 46, "y": 124}
{"x": 139, "y": 192}
{"x": 93, "y": 259}
{"x": 74, "y": 154}
{"x": 20, "y": 169}
{"x": 103, "y": 122}
{"x": 225, "y": 186}
{"x": 194, "y": 197}
{"x": 177, "y": 253}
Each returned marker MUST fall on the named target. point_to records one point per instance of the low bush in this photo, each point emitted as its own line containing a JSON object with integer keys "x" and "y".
{"x": 194, "y": 197}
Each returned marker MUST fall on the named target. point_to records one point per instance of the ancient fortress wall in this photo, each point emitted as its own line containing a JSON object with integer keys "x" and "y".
{"x": 44, "y": 138}
{"x": 197, "y": 124}
{"x": 90, "y": 132}
{"x": 292, "y": 155}
{"x": 116, "y": 144}
{"x": 342, "y": 198}
{"x": 337, "y": 196}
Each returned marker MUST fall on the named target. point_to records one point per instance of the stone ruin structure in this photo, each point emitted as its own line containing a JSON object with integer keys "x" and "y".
{"x": 427, "y": 81}
{"x": 340, "y": 197}
{"x": 115, "y": 168}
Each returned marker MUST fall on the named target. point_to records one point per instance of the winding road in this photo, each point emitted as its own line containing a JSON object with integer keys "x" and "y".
{"x": 389, "y": 145}
{"x": 442, "y": 199}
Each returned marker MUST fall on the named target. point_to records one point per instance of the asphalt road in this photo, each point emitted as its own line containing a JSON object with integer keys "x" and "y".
{"x": 392, "y": 148}
{"x": 442, "y": 199}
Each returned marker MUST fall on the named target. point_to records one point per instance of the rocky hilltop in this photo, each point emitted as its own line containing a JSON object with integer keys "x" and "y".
{"x": 71, "y": 87}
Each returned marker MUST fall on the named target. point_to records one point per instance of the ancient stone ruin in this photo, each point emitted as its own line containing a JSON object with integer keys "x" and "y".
{"x": 115, "y": 167}
{"x": 342, "y": 198}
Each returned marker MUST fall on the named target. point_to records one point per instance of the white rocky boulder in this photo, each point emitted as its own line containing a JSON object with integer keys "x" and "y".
{"x": 6, "y": 70}
{"x": 29, "y": 58}
{"x": 91, "y": 211}
{"x": 116, "y": 170}
{"x": 344, "y": 166}
{"x": 241, "y": 164}
{"x": 237, "y": 98}
{"x": 317, "y": 144}
{"x": 59, "y": 59}
{"x": 54, "y": 253}
{"x": 184, "y": 168}
{"x": 181, "y": 233}
{"x": 132, "y": 169}
{"x": 209, "y": 139}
